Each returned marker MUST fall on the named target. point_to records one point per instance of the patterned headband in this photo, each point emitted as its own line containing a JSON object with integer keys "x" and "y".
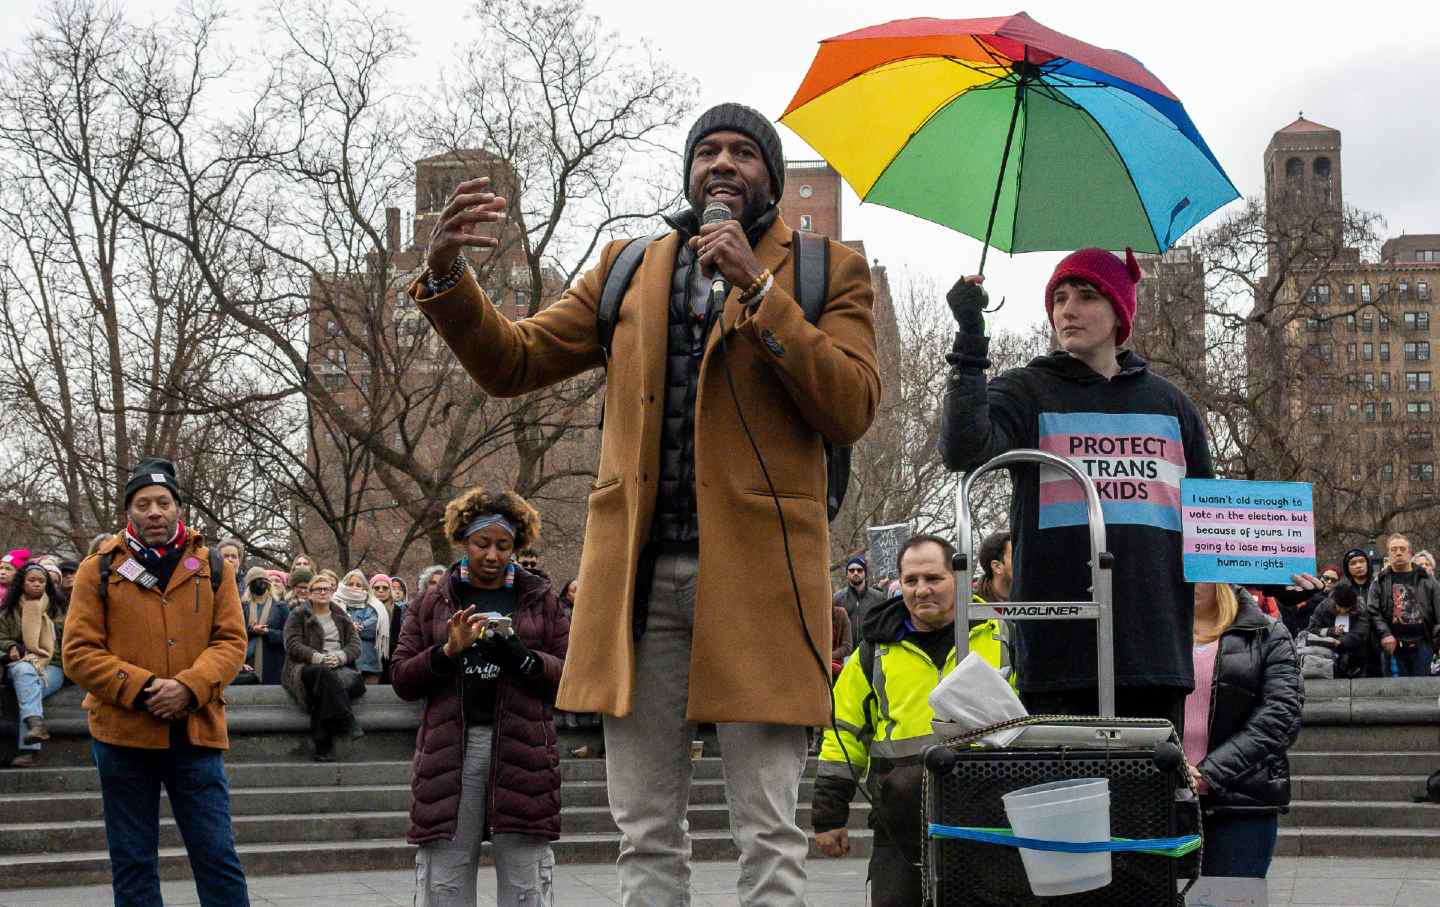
{"x": 486, "y": 520}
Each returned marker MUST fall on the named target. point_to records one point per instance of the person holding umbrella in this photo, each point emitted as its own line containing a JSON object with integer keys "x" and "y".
{"x": 1137, "y": 435}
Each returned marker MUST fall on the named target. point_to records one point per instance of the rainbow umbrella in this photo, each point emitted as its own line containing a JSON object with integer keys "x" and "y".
{"x": 1008, "y": 131}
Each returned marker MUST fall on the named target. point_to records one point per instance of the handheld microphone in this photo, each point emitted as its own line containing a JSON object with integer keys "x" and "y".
{"x": 717, "y": 213}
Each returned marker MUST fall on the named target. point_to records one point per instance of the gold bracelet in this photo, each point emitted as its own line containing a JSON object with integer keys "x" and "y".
{"x": 757, "y": 286}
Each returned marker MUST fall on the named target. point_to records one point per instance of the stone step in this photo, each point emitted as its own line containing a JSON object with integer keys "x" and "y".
{"x": 92, "y": 867}
{"x": 1347, "y": 814}
{"x": 287, "y": 801}
{"x": 1366, "y": 843}
{"x": 305, "y": 773}
{"x": 703, "y": 791}
{"x": 1357, "y": 788}
{"x": 1362, "y": 738}
{"x": 708, "y": 817}
{"x": 80, "y": 831}
{"x": 1341, "y": 763}
{"x": 242, "y": 775}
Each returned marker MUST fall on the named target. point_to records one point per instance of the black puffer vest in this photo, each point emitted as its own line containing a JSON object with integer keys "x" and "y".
{"x": 675, "y": 511}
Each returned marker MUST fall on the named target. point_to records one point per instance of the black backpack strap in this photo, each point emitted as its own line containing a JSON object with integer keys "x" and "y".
{"x": 812, "y": 274}
{"x": 105, "y": 561}
{"x": 217, "y": 570}
{"x": 617, "y": 281}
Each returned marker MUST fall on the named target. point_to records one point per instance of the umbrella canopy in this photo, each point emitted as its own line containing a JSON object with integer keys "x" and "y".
{"x": 1010, "y": 132}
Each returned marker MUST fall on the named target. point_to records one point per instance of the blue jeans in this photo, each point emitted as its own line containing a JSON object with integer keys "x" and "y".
{"x": 194, "y": 779}
{"x": 1409, "y": 661}
{"x": 31, "y": 688}
{"x": 1239, "y": 845}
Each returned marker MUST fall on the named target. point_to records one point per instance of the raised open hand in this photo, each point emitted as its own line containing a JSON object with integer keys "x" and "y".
{"x": 471, "y": 204}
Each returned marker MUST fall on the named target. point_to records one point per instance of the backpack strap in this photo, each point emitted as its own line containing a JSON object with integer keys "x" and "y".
{"x": 812, "y": 274}
{"x": 217, "y": 570}
{"x": 105, "y": 561}
{"x": 617, "y": 281}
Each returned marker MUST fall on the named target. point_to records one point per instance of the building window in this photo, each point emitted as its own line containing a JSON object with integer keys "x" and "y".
{"x": 1357, "y": 472}
{"x": 1384, "y": 381}
{"x": 1384, "y": 323}
{"x": 333, "y": 359}
{"x": 1421, "y": 437}
{"x": 1387, "y": 411}
{"x": 1352, "y": 411}
{"x": 1322, "y": 412}
{"x": 1350, "y": 323}
{"x": 1422, "y": 291}
{"x": 1367, "y": 352}
{"x": 1384, "y": 292}
{"x": 1417, "y": 381}
{"x": 1418, "y": 410}
{"x": 1417, "y": 351}
{"x": 1402, "y": 290}
{"x": 1428, "y": 255}
{"x": 1367, "y": 323}
{"x": 1316, "y": 323}
{"x": 1422, "y": 472}
{"x": 1319, "y": 351}
{"x": 332, "y": 328}
{"x": 1364, "y": 294}
{"x": 1369, "y": 410}
{"x": 333, "y": 381}
{"x": 1417, "y": 321}
{"x": 1384, "y": 352}
{"x": 806, "y": 222}
{"x": 1387, "y": 472}
{"x": 1350, "y": 351}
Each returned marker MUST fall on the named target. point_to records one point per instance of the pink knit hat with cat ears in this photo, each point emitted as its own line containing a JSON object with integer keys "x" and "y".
{"x": 1115, "y": 279}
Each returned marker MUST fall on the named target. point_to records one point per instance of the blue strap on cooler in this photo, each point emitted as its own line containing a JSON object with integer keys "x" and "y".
{"x": 1165, "y": 847}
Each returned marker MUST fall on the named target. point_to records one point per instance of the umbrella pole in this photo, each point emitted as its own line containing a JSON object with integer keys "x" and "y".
{"x": 1004, "y": 162}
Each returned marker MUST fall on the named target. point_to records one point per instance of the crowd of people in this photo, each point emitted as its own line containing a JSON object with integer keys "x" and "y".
{"x": 1375, "y": 617}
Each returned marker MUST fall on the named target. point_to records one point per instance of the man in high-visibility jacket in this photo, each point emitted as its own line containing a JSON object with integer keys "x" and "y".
{"x": 882, "y": 711}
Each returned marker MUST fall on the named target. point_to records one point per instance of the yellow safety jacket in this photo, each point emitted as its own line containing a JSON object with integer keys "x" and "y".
{"x": 882, "y": 710}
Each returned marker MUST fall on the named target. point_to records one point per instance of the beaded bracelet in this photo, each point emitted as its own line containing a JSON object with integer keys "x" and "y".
{"x": 759, "y": 288}
{"x": 435, "y": 287}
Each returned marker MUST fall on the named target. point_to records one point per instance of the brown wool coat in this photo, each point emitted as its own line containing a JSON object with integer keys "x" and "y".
{"x": 797, "y": 384}
{"x": 188, "y": 631}
{"x": 304, "y": 637}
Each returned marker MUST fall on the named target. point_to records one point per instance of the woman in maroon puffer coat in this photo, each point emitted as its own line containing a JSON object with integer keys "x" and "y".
{"x": 486, "y": 764}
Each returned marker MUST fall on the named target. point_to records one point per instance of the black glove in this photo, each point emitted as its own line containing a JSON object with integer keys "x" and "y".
{"x": 510, "y": 654}
{"x": 967, "y": 303}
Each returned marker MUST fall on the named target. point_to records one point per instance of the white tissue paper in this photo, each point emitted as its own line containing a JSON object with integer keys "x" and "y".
{"x": 975, "y": 695}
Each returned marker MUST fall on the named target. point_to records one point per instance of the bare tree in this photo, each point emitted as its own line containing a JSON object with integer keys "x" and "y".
{"x": 897, "y": 475}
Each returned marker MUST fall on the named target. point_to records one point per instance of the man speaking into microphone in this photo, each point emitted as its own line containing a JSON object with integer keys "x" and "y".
{"x": 687, "y": 611}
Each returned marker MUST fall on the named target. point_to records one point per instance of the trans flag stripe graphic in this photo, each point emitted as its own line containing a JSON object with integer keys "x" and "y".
{"x": 1136, "y": 461}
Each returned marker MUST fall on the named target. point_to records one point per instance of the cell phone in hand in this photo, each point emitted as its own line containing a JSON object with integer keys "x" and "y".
{"x": 500, "y": 626}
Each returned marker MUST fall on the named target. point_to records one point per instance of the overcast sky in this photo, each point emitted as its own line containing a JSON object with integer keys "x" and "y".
{"x": 1243, "y": 70}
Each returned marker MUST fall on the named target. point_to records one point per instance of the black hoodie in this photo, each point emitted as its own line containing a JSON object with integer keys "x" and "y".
{"x": 1137, "y": 436}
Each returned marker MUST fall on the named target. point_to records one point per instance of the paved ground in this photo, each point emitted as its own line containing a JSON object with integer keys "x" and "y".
{"x": 833, "y": 883}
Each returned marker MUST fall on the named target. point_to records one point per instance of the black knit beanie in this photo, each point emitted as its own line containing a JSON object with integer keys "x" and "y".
{"x": 746, "y": 121}
{"x": 152, "y": 471}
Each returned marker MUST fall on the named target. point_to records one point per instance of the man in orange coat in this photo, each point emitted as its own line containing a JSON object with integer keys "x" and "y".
{"x": 153, "y": 651}
{"x": 674, "y": 628}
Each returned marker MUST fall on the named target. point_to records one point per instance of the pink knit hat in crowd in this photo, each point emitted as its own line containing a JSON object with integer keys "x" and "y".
{"x": 17, "y": 557}
{"x": 1115, "y": 279}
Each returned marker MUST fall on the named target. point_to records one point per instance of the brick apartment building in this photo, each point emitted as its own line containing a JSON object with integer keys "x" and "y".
{"x": 1361, "y": 355}
{"x": 404, "y": 352}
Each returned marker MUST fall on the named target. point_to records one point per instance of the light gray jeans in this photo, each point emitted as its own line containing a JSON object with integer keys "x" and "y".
{"x": 445, "y": 871}
{"x": 648, "y": 767}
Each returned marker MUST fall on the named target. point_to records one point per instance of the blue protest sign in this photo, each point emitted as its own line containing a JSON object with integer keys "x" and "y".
{"x": 1251, "y": 533}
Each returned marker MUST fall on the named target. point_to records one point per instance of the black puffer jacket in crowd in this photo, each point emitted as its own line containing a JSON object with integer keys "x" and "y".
{"x": 1255, "y": 704}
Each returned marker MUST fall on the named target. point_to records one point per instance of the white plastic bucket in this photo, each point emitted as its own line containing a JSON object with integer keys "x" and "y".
{"x": 1076, "y": 810}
